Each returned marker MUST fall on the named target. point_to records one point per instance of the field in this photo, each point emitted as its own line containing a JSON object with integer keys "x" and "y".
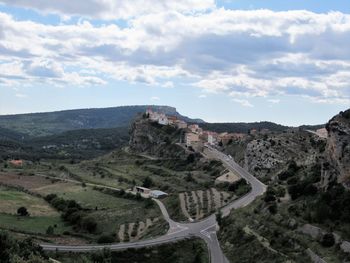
{"x": 33, "y": 224}
{"x": 11, "y": 200}
{"x": 42, "y": 215}
{"x": 200, "y": 204}
{"x": 125, "y": 218}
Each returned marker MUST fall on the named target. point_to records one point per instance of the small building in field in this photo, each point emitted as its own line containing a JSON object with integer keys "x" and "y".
{"x": 142, "y": 190}
{"x": 16, "y": 162}
{"x": 157, "y": 194}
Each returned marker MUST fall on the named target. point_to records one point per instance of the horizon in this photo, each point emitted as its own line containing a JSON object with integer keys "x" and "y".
{"x": 160, "y": 105}
{"x": 220, "y": 61}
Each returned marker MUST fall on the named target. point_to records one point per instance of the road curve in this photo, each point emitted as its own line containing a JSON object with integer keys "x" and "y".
{"x": 204, "y": 229}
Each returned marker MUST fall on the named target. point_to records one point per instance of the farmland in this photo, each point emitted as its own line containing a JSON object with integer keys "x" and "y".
{"x": 123, "y": 217}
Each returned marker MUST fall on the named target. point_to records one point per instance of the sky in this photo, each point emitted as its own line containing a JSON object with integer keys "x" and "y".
{"x": 223, "y": 61}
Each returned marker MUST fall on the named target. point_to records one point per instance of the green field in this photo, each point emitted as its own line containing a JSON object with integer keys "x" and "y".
{"x": 34, "y": 225}
{"x": 11, "y": 200}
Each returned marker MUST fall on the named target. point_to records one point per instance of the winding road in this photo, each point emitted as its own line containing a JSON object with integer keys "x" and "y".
{"x": 205, "y": 229}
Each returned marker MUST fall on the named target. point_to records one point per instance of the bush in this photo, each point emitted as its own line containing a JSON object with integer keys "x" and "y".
{"x": 22, "y": 211}
{"x": 50, "y": 230}
{"x": 147, "y": 182}
{"x": 105, "y": 239}
{"x": 327, "y": 240}
{"x": 89, "y": 224}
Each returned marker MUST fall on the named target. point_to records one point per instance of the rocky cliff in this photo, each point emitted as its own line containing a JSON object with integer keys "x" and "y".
{"x": 149, "y": 137}
{"x": 337, "y": 165}
{"x": 271, "y": 155}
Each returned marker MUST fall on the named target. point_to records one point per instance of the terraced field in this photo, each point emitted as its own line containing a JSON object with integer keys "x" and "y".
{"x": 199, "y": 204}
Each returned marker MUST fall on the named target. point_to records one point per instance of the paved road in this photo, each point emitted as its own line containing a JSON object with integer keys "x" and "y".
{"x": 205, "y": 229}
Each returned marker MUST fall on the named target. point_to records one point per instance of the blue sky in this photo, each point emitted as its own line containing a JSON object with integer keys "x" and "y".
{"x": 222, "y": 61}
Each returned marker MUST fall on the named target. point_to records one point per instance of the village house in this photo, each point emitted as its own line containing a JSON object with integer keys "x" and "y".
{"x": 163, "y": 119}
{"x": 195, "y": 128}
{"x": 253, "y": 132}
{"x": 153, "y": 116}
{"x": 191, "y": 138}
{"x": 172, "y": 120}
{"x": 180, "y": 124}
{"x": 209, "y": 137}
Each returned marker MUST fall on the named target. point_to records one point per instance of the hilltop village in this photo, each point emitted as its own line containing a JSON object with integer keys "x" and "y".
{"x": 195, "y": 136}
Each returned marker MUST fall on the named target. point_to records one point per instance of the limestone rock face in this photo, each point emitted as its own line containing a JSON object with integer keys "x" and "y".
{"x": 337, "y": 152}
{"x": 151, "y": 138}
{"x": 271, "y": 155}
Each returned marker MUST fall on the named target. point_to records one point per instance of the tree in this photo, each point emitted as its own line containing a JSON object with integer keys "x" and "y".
{"x": 327, "y": 240}
{"x": 89, "y": 224}
{"x": 50, "y": 230}
{"x": 147, "y": 182}
{"x": 22, "y": 211}
{"x": 219, "y": 218}
{"x": 190, "y": 158}
{"x": 105, "y": 239}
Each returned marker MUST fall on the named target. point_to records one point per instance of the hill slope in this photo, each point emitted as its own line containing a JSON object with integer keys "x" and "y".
{"x": 48, "y": 123}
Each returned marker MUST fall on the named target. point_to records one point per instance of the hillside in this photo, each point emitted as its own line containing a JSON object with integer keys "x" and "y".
{"x": 48, "y": 123}
{"x": 76, "y": 144}
{"x": 304, "y": 213}
{"x": 242, "y": 127}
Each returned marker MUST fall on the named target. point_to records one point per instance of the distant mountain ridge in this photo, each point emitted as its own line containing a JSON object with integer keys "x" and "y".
{"x": 243, "y": 127}
{"x": 49, "y": 123}
{"x": 20, "y": 126}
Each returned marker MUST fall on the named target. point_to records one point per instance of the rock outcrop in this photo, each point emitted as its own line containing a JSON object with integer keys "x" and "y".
{"x": 268, "y": 156}
{"x": 151, "y": 138}
{"x": 337, "y": 165}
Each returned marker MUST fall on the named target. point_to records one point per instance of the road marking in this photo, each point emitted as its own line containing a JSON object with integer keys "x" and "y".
{"x": 182, "y": 228}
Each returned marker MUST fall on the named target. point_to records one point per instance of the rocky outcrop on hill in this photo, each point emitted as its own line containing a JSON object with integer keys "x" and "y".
{"x": 337, "y": 165}
{"x": 269, "y": 156}
{"x": 151, "y": 138}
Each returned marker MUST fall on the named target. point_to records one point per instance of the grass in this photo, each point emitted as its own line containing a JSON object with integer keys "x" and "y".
{"x": 11, "y": 200}
{"x": 32, "y": 224}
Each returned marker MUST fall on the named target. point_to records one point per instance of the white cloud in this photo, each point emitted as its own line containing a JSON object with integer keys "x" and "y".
{"x": 274, "y": 101}
{"x": 21, "y": 95}
{"x": 111, "y": 9}
{"x": 243, "y": 54}
{"x": 244, "y": 103}
{"x": 168, "y": 84}
{"x": 155, "y": 98}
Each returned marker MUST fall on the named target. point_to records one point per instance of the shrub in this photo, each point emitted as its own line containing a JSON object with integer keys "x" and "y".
{"x": 50, "y": 230}
{"x": 327, "y": 240}
{"x": 22, "y": 211}
{"x": 105, "y": 239}
{"x": 89, "y": 224}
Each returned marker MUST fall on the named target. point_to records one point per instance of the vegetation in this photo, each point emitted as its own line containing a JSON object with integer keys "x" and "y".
{"x": 187, "y": 251}
{"x": 25, "y": 251}
{"x": 242, "y": 127}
